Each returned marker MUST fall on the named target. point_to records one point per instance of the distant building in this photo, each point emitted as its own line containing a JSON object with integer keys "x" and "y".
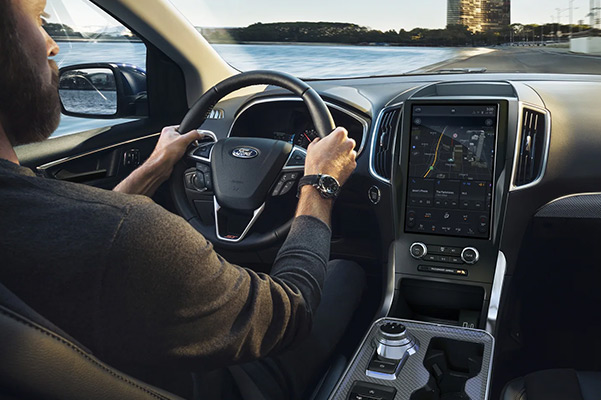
{"x": 479, "y": 15}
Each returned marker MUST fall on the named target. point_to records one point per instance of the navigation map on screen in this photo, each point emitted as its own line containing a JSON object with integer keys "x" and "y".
{"x": 451, "y": 162}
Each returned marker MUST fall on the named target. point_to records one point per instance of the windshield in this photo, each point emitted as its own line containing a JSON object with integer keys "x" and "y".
{"x": 351, "y": 38}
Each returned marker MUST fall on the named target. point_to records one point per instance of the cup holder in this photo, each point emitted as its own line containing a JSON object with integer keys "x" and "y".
{"x": 450, "y": 364}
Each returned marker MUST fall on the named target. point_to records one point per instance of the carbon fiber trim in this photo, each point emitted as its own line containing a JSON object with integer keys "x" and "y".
{"x": 414, "y": 375}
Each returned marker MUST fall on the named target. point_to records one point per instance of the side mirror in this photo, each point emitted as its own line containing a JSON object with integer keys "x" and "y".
{"x": 103, "y": 91}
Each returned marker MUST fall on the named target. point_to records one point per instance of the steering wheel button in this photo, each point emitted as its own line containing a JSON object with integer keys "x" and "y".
{"x": 297, "y": 159}
{"x": 199, "y": 181}
{"x": 203, "y": 167}
{"x": 287, "y": 187}
{"x": 203, "y": 151}
{"x": 278, "y": 188}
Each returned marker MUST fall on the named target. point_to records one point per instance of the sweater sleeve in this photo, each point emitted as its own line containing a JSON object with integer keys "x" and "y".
{"x": 167, "y": 298}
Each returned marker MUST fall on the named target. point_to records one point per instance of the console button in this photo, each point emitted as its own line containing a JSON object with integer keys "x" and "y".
{"x": 418, "y": 250}
{"x": 443, "y": 270}
{"x": 385, "y": 367}
{"x": 375, "y": 195}
{"x": 371, "y": 391}
{"x": 411, "y": 219}
{"x": 454, "y": 251}
{"x": 444, "y": 250}
{"x": 483, "y": 224}
{"x": 470, "y": 255}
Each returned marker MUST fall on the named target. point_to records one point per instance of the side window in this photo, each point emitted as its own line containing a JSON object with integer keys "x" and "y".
{"x": 87, "y": 34}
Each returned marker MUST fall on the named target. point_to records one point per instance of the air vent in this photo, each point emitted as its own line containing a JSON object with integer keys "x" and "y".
{"x": 531, "y": 153}
{"x": 216, "y": 113}
{"x": 382, "y": 161}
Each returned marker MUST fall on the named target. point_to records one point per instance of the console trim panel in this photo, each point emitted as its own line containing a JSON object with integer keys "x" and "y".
{"x": 476, "y": 387}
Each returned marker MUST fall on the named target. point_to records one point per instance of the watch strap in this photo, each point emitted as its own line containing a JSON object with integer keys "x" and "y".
{"x": 314, "y": 181}
{"x": 309, "y": 180}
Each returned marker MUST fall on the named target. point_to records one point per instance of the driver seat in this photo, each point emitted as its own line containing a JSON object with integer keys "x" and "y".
{"x": 38, "y": 360}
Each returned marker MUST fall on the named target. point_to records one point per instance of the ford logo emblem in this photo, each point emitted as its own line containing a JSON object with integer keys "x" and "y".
{"x": 245, "y": 152}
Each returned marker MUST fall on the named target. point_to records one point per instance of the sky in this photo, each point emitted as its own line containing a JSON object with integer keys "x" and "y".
{"x": 376, "y": 14}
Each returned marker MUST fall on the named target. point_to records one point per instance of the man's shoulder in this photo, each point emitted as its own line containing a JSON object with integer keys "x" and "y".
{"x": 20, "y": 189}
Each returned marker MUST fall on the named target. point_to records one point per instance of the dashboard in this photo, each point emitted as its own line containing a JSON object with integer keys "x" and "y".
{"x": 450, "y": 171}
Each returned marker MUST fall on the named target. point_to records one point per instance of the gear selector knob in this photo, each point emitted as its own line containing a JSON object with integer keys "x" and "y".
{"x": 393, "y": 342}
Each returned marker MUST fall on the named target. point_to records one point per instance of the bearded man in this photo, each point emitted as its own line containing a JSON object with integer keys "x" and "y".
{"x": 138, "y": 285}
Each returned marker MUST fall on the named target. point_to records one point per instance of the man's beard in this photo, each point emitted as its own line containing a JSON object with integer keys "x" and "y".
{"x": 29, "y": 106}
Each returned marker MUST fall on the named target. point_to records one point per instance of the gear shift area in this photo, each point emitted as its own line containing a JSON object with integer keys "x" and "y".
{"x": 413, "y": 360}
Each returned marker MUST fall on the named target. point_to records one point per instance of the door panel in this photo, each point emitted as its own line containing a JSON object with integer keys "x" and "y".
{"x": 95, "y": 161}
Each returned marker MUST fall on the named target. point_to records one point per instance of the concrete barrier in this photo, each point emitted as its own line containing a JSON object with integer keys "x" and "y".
{"x": 586, "y": 45}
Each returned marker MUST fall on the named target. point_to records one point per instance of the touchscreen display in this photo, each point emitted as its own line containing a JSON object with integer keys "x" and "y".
{"x": 451, "y": 163}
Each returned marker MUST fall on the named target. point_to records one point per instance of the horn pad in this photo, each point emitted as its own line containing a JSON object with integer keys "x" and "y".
{"x": 244, "y": 169}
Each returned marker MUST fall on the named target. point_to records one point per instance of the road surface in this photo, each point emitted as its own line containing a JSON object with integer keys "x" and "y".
{"x": 526, "y": 60}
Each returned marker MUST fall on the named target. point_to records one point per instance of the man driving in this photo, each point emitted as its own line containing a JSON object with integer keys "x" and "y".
{"x": 138, "y": 285}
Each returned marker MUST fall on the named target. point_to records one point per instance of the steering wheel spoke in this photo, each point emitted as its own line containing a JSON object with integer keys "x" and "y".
{"x": 201, "y": 151}
{"x": 232, "y": 226}
{"x": 291, "y": 172}
{"x": 296, "y": 160}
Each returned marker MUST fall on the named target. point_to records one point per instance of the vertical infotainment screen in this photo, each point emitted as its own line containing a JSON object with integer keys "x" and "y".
{"x": 451, "y": 164}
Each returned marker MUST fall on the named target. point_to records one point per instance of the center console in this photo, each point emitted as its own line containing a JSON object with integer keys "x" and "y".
{"x": 408, "y": 360}
{"x": 451, "y": 169}
{"x": 447, "y": 183}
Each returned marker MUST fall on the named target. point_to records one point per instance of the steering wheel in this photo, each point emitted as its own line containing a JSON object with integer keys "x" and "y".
{"x": 222, "y": 187}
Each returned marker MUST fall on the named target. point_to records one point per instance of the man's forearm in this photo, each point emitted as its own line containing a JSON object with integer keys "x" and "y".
{"x": 146, "y": 179}
{"x": 311, "y": 203}
{"x": 149, "y": 176}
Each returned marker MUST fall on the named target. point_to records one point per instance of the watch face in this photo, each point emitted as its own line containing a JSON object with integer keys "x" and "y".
{"x": 329, "y": 184}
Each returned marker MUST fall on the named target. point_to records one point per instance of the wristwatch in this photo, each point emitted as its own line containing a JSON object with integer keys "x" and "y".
{"x": 327, "y": 186}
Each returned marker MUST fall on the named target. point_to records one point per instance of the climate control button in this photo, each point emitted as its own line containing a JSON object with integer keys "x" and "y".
{"x": 418, "y": 250}
{"x": 470, "y": 255}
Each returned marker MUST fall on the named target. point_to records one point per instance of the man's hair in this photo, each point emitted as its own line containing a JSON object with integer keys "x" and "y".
{"x": 29, "y": 106}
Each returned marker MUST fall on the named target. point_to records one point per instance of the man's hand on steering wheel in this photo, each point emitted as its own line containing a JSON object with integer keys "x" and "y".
{"x": 333, "y": 155}
{"x": 157, "y": 169}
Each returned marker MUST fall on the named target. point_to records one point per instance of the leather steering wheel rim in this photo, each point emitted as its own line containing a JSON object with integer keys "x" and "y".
{"x": 198, "y": 113}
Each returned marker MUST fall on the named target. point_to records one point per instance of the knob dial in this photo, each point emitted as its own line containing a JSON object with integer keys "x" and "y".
{"x": 418, "y": 250}
{"x": 470, "y": 255}
{"x": 394, "y": 342}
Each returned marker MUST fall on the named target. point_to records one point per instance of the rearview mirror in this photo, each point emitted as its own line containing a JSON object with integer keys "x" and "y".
{"x": 103, "y": 91}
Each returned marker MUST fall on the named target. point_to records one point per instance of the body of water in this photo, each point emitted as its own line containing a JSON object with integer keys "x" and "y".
{"x": 305, "y": 61}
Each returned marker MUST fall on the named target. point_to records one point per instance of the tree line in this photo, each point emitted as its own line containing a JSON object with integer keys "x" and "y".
{"x": 331, "y": 32}
{"x": 345, "y": 33}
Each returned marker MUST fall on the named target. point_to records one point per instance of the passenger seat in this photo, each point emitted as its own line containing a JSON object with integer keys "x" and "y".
{"x": 555, "y": 384}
